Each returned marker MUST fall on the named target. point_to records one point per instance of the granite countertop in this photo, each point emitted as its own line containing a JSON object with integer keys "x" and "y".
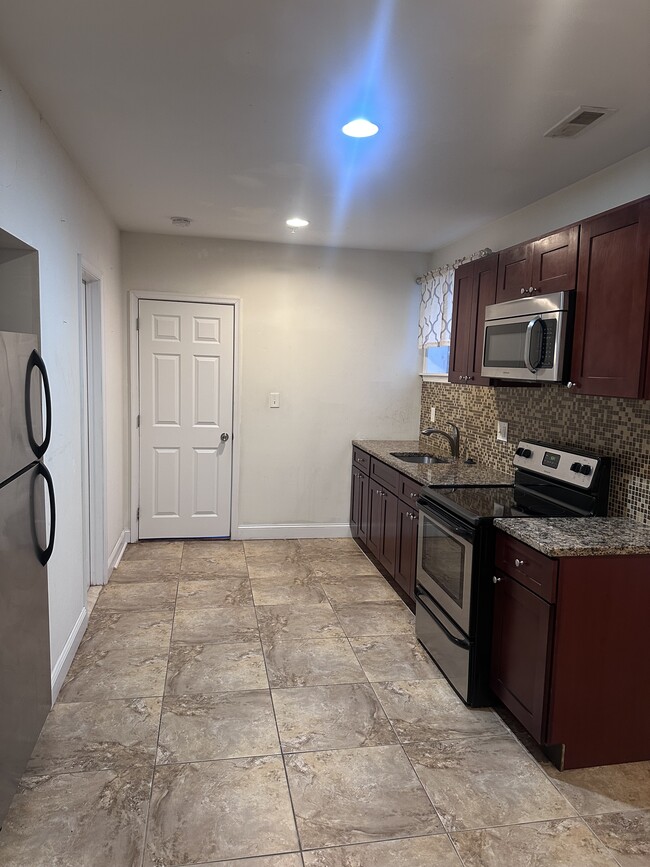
{"x": 579, "y": 537}
{"x": 455, "y": 473}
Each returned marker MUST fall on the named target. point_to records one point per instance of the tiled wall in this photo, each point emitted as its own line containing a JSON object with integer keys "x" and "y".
{"x": 617, "y": 427}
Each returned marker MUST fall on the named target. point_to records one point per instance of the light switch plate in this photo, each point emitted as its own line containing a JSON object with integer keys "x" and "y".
{"x": 502, "y": 431}
{"x": 274, "y": 400}
{"x": 433, "y": 413}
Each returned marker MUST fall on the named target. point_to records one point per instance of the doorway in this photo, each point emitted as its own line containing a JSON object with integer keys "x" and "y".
{"x": 186, "y": 372}
{"x": 92, "y": 428}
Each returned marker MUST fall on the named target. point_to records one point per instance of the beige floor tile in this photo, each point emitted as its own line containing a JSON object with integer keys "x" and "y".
{"x": 362, "y": 588}
{"x": 487, "y": 781}
{"x": 266, "y": 861}
{"x": 91, "y": 736}
{"x": 564, "y": 843}
{"x": 113, "y": 630}
{"x": 205, "y": 668}
{"x": 334, "y": 717}
{"x": 309, "y": 662}
{"x": 375, "y": 618}
{"x": 95, "y": 818}
{"x": 92, "y": 595}
{"x": 153, "y": 551}
{"x": 319, "y": 547}
{"x": 126, "y": 672}
{"x": 626, "y": 835}
{"x": 214, "y": 593}
{"x": 426, "y": 710}
{"x": 606, "y": 789}
{"x": 394, "y": 657}
{"x": 279, "y": 622}
{"x": 146, "y": 570}
{"x": 285, "y": 571}
{"x": 197, "y": 728}
{"x": 212, "y": 811}
{"x": 215, "y": 625}
{"x": 137, "y": 597}
{"x": 272, "y": 550}
{"x": 194, "y": 548}
{"x": 413, "y": 852}
{"x": 357, "y": 796}
{"x": 342, "y": 567}
{"x": 284, "y": 591}
{"x": 203, "y": 568}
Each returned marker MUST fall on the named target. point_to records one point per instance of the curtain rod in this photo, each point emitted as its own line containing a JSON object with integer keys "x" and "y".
{"x": 436, "y": 272}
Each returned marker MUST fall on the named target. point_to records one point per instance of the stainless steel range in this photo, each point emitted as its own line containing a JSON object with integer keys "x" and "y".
{"x": 456, "y": 552}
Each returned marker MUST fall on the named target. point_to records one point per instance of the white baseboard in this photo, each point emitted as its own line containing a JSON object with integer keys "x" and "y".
{"x": 117, "y": 552}
{"x": 291, "y": 531}
{"x": 64, "y": 661}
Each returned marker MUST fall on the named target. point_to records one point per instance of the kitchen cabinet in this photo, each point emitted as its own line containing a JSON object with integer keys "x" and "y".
{"x": 474, "y": 289}
{"x": 569, "y": 651}
{"x": 610, "y": 348}
{"x": 384, "y": 518}
{"x": 547, "y": 264}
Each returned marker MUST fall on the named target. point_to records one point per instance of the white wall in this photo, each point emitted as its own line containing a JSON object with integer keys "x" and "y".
{"x": 621, "y": 182}
{"x": 45, "y": 202}
{"x": 334, "y": 331}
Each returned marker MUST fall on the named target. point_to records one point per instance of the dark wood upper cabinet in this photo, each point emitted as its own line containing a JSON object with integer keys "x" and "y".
{"x": 548, "y": 264}
{"x": 610, "y": 348}
{"x": 474, "y": 289}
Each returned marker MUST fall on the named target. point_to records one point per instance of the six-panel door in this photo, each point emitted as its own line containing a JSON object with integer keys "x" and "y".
{"x": 186, "y": 407}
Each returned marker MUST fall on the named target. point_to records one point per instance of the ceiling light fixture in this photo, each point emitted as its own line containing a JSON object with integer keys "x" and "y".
{"x": 360, "y": 128}
{"x": 181, "y": 222}
{"x": 297, "y": 223}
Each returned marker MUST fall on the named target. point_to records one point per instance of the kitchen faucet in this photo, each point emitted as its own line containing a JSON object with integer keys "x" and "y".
{"x": 453, "y": 438}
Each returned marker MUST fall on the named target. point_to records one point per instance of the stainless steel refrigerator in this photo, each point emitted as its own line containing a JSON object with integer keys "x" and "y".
{"x": 26, "y": 542}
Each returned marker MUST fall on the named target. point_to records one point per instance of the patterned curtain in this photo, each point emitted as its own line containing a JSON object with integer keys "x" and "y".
{"x": 435, "y": 308}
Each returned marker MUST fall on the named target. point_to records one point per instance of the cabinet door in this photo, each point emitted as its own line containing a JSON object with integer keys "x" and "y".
{"x": 610, "y": 339}
{"x": 362, "y": 514}
{"x": 388, "y": 539}
{"x": 375, "y": 518}
{"x": 484, "y": 293}
{"x": 407, "y": 545}
{"x": 555, "y": 262}
{"x": 515, "y": 265}
{"x": 461, "y": 327}
{"x": 354, "y": 503}
{"x": 521, "y": 644}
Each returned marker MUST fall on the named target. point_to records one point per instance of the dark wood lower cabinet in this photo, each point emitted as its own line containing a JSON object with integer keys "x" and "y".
{"x": 407, "y": 548}
{"x": 520, "y": 652}
{"x": 359, "y": 505}
{"x": 382, "y": 525}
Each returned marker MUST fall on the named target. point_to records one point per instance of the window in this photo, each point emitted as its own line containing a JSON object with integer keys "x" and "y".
{"x": 434, "y": 335}
{"x": 435, "y": 360}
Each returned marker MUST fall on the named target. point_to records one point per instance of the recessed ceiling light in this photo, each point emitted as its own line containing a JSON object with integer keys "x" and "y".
{"x": 297, "y": 223}
{"x": 360, "y": 128}
{"x": 181, "y": 222}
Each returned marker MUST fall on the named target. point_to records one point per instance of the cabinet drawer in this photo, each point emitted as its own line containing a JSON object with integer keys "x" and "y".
{"x": 529, "y": 567}
{"x": 388, "y": 477}
{"x": 409, "y": 491}
{"x": 360, "y": 460}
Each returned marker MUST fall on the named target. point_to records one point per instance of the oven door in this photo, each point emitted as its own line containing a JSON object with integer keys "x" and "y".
{"x": 444, "y": 566}
{"x": 525, "y": 347}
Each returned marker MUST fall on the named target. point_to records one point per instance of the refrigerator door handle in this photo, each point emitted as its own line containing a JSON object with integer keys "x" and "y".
{"x": 44, "y": 554}
{"x": 35, "y": 360}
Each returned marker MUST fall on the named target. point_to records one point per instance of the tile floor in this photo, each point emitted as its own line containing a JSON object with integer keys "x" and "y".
{"x": 265, "y": 704}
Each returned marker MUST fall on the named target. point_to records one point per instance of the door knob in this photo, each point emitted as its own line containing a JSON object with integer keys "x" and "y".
{"x": 225, "y": 437}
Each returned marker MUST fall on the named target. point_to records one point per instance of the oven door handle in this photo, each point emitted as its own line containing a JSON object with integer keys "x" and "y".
{"x": 442, "y": 521}
{"x": 424, "y": 598}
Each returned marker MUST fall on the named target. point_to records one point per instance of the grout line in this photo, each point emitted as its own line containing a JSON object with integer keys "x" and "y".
{"x": 611, "y": 852}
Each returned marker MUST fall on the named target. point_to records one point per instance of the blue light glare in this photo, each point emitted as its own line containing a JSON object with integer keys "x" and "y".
{"x": 360, "y": 128}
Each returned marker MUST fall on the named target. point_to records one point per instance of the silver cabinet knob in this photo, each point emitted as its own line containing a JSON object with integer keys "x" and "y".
{"x": 571, "y": 384}
{"x": 225, "y": 437}
{"x": 523, "y": 291}
{"x": 413, "y": 496}
{"x": 532, "y": 290}
{"x": 519, "y": 562}
{"x": 495, "y": 579}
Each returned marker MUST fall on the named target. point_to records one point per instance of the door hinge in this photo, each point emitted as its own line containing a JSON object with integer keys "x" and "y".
{"x": 137, "y": 421}
{"x": 137, "y": 514}
{"x": 137, "y": 323}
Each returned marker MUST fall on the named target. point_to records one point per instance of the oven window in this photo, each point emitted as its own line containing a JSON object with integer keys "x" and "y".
{"x": 443, "y": 559}
{"x": 504, "y": 345}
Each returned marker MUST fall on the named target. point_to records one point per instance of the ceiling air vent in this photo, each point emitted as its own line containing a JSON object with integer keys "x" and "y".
{"x": 573, "y": 124}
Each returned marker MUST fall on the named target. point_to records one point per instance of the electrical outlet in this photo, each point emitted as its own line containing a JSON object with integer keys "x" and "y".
{"x": 502, "y": 431}
{"x": 274, "y": 400}
{"x": 433, "y": 413}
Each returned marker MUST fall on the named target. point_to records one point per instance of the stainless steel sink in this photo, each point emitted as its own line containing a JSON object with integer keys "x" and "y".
{"x": 419, "y": 458}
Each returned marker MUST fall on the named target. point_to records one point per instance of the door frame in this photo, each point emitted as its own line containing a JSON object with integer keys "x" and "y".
{"x": 93, "y": 418}
{"x": 134, "y": 403}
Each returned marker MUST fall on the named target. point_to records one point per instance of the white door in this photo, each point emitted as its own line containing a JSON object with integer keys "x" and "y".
{"x": 186, "y": 354}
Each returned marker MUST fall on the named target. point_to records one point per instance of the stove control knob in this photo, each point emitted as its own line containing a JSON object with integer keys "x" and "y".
{"x": 576, "y": 468}
{"x": 519, "y": 451}
{"x": 526, "y": 453}
{"x": 585, "y": 469}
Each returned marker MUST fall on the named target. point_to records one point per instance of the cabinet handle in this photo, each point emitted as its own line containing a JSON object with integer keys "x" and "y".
{"x": 523, "y": 291}
{"x": 495, "y": 579}
{"x": 532, "y": 290}
{"x": 519, "y": 562}
{"x": 413, "y": 496}
{"x": 572, "y": 385}
{"x": 411, "y": 516}
{"x": 470, "y": 377}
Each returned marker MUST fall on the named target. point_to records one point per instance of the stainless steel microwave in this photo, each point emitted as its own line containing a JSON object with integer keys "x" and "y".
{"x": 527, "y": 339}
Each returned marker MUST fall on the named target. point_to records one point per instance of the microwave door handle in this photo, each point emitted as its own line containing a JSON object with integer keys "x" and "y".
{"x": 537, "y": 321}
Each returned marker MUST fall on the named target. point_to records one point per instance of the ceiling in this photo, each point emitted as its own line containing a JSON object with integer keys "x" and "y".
{"x": 229, "y": 111}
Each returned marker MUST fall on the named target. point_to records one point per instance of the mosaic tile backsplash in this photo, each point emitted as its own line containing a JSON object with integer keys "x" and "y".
{"x": 617, "y": 427}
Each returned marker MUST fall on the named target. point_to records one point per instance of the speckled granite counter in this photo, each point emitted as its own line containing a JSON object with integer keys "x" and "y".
{"x": 579, "y": 537}
{"x": 446, "y": 475}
